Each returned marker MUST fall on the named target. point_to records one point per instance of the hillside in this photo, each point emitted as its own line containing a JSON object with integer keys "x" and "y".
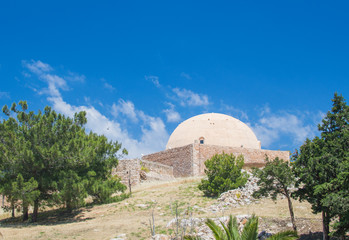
{"x": 130, "y": 217}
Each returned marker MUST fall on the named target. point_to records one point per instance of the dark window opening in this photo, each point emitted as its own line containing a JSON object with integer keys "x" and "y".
{"x": 201, "y": 141}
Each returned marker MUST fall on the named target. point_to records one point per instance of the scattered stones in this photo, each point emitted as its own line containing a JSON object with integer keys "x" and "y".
{"x": 160, "y": 237}
{"x": 289, "y": 224}
{"x": 141, "y": 205}
{"x": 143, "y": 175}
{"x": 120, "y": 237}
{"x": 237, "y": 197}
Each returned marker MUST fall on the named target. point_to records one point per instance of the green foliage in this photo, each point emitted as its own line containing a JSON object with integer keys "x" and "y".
{"x": 274, "y": 179}
{"x": 102, "y": 190}
{"x": 249, "y": 232}
{"x": 145, "y": 169}
{"x": 54, "y": 155}
{"x": 322, "y": 168}
{"x": 223, "y": 173}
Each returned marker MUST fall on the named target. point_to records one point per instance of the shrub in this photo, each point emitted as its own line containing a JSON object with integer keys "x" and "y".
{"x": 223, "y": 173}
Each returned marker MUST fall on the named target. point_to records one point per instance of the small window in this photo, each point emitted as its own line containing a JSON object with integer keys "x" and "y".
{"x": 202, "y": 140}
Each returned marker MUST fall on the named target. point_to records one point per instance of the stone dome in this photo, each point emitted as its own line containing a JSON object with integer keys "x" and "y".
{"x": 213, "y": 129}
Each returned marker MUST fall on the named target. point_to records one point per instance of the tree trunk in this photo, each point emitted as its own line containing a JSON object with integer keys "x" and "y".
{"x": 325, "y": 225}
{"x": 13, "y": 209}
{"x": 25, "y": 213}
{"x": 35, "y": 211}
{"x": 129, "y": 182}
{"x": 290, "y": 207}
{"x": 341, "y": 230}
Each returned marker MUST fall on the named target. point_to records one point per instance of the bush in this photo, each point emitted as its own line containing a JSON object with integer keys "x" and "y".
{"x": 223, "y": 173}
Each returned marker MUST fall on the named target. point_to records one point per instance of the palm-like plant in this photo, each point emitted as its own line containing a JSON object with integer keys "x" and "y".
{"x": 249, "y": 232}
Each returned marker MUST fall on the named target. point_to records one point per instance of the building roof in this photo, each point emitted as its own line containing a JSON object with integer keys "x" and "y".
{"x": 213, "y": 129}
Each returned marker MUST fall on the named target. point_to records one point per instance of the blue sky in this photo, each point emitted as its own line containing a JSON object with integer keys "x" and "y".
{"x": 139, "y": 68}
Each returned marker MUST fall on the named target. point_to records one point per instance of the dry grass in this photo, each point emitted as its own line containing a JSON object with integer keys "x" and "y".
{"x": 131, "y": 216}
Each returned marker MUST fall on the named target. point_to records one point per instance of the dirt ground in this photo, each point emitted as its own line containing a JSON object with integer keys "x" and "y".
{"x": 131, "y": 216}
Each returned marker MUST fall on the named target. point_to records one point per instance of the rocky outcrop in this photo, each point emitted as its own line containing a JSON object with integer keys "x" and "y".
{"x": 237, "y": 197}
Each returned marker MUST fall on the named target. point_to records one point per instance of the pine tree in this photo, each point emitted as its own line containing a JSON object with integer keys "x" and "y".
{"x": 57, "y": 153}
{"x": 322, "y": 169}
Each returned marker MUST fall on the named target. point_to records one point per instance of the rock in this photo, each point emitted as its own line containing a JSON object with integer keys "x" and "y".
{"x": 160, "y": 237}
{"x": 141, "y": 205}
{"x": 237, "y": 197}
{"x": 143, "y": 175}
{"x": 120, "y": 237}
{"x": 289, "y": 224}
{"x": 263, "y": 235}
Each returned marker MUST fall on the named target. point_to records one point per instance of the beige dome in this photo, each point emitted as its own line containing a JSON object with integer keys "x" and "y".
{"x": 213, "y": 129}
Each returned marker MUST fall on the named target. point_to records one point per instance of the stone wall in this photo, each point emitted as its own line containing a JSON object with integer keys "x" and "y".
{"x": 178, "y": 158}
{"x": 128, "y": 169}
{"x": 252, "y": 157}
{"x": 157, "y": 167}
{"x": 189, "y": 160}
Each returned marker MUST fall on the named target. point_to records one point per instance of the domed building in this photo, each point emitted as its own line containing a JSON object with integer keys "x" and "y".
{"x": 200, "y": 137}
{"x": 213, "y": 129}
{"x": 193, "y": 142}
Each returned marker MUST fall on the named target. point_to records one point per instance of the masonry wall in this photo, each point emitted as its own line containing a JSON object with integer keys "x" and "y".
{"x": 157, "y": 167}
{"x": 128, "y": 168}
{"x": 252, "y": 157}
{"x": 178, "y": 158}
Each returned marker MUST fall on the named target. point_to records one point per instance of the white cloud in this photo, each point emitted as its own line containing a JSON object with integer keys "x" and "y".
{"x": 186, "y": 75}
{"x": 188, "y": 97}
{"x": 37, "y": 67}
{"x": 75, "y": 77}
{"x": 271, "y": 127}
{"x": 109, "y": 86}
{"x": 233, "y": 111}
{"x": 171, "y": 114}
{"x": 154, "y": 80}
{"x": 154, "y": 135}
{"x": 125, "y": 107}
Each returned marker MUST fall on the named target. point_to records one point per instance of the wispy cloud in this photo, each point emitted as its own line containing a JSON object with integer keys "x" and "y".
{"x": 272, "y": 126}
{"x": 107, "y": 85}
{"x": 171, "y": 114}
{"x": 154, "y": 80}
{"x": 127, "y": 108}
{"x": 233, "y": 111}
{"x": 74, "y": 77}
{"x": 185, "y": 75}
{"x": 37, "y": 67}
{"x": 154, "y": 135}
{"x": 4, "y": 95}
{"x": 189, "y": 98}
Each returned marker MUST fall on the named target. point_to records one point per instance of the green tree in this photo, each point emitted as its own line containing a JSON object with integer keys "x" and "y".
{"x": 26, "y": 192}
{"x": 223, "y": 173}
{"x": 276, "y": 178}
{"x": 57, "y": 153}
{"x": 322, "y": 171}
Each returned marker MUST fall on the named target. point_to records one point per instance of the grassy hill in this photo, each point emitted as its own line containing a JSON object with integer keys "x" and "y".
{"x": 131, "y": 216}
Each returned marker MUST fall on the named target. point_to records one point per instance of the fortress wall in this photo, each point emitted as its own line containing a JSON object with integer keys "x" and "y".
{"x": 128, "y": 168}
{"x": 157, "y": 167}
{"x": 179, "y": 158}
{"x": 252, "y": 157}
